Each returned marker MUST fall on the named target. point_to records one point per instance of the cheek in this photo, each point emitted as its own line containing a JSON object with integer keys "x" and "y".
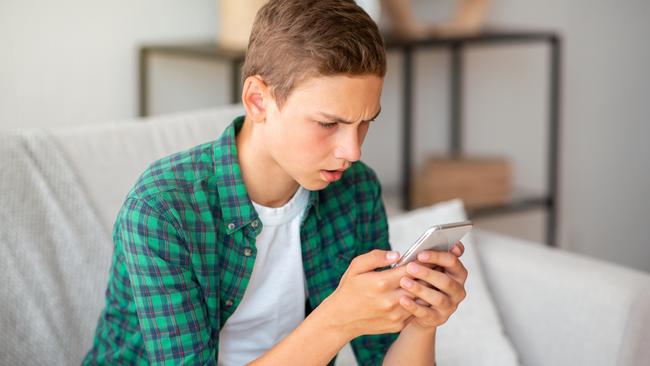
{"x": 302, "y": 146}
{"x": 311, "y": 146}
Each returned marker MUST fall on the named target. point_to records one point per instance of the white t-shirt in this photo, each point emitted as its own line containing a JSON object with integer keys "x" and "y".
{"x": 274, "y": 302}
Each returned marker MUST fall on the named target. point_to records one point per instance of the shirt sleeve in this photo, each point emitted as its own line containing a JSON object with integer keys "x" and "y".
{"x": 371, "y": 349}
{"x": 171, "y": 312}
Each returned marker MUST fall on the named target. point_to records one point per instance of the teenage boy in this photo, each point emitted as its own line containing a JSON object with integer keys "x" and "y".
{"x": 264, "y": 245}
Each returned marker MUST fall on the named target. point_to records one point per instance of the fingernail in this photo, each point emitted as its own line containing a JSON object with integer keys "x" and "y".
{"x": 407, "y": 283}
{"x": 406, "y": 301}
{"x": 412, "y": 268}
{"x": 392, "y": 255}
{"x": 423, "y": 256}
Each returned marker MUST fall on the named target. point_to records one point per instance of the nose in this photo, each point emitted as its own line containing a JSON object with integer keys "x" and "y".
{"x": 349, "y": 147}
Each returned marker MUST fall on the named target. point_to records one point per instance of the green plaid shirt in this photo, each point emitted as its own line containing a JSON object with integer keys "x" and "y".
{"x": 185, "y": 248}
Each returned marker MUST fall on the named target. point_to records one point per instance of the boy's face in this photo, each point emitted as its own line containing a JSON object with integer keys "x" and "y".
{"x": 321, "y": 127}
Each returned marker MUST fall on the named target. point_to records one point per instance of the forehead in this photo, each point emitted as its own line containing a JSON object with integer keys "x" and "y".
{"x": 347, "y": 93}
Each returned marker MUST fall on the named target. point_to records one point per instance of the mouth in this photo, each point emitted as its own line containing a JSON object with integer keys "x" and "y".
{"x": 332, "y": 175}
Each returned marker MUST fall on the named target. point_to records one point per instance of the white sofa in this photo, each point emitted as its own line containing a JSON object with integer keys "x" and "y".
{"x": 527, "y": 304}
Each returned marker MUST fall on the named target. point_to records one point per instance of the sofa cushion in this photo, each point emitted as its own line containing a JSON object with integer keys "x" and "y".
{"x": 567, "y": 309}
{"x": 53, "y": 255}
{"x": 109, "y": 158}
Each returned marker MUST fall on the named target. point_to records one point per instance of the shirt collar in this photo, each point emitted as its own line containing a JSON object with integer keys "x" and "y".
{"x": 236, "y": 206}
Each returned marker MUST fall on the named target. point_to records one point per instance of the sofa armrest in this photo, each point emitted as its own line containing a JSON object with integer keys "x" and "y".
{"x": 561, "y": 308}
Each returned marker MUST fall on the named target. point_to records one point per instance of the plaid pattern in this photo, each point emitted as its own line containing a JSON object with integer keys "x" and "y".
{"x": 185, "y": 248}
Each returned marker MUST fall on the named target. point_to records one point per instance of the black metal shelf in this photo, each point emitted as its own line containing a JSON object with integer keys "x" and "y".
{"x": 456, "y": 45}
{"x": 199, "y": 50}
{"x": 520, "y": 201}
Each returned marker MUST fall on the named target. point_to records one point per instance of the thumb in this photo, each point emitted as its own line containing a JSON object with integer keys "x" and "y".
{"x": 372, "y": 260}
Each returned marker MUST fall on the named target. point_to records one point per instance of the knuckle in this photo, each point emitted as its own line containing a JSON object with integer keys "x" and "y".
{"x": 355, "y": 262}
{"x": 382, "y": 284}
{"x": 387, "y": 304}
{"x": 451, "y": 306}
{"x": 394, "y": 317}
{"x": 464, "y": 273}
{"x": 439, "y": 321}
{"x": 453, "y": 309}
{"x": 463, "y": 294}
{"x": 437, "y": 301}
{"x": 447, "y": 314}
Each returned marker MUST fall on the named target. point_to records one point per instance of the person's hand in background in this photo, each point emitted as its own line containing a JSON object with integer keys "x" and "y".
{"x": 467, "y": 19}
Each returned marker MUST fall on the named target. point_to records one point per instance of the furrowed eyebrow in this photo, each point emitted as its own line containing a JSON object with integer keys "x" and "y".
{"x": 337, "y": 119}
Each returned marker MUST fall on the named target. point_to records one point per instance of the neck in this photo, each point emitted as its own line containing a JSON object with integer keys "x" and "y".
{"x": 266, "y": 182}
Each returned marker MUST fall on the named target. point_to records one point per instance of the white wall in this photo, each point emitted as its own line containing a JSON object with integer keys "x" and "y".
{"x": 605, "y": 202}
{"x": 72, "y": 62}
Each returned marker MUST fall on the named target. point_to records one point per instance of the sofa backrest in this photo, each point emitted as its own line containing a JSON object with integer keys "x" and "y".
{"x": 109, "y": 158}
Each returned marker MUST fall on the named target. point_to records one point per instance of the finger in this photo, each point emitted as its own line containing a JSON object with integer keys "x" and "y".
{"x": 442, "y": 281}
{"x": 458, "y": 249}
{"x": 402, "y": 292}
{"x": 448, "y": 261}
{"x": 434, "y": 267}
{"x": 424, "y": 314}
{"x": 390, "y": 277}
{"x": 372, "y": 260}
{"x": 431, "y": 297}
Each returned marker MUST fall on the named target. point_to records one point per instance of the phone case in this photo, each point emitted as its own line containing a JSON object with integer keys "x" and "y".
{"x": 439, "y": 237}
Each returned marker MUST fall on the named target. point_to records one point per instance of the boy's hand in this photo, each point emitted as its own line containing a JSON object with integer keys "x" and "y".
{"x": 368, "y": 301}
{"x": 438, "y": 292}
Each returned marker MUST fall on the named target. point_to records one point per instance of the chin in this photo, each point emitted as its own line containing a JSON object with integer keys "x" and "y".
{"x": 313, "y": 184}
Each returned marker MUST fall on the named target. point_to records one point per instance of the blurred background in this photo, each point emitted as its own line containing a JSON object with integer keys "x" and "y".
{"x": 74, "y": 62}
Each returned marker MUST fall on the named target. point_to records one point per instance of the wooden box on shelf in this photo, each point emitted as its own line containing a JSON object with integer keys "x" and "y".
{"x": 479, "y": 181}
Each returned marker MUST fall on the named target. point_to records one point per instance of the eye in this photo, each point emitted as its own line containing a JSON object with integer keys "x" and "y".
{"x": 327, "y": 125}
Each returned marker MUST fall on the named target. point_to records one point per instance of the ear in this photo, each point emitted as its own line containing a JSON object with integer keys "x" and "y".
{"x": 256, "y": 96}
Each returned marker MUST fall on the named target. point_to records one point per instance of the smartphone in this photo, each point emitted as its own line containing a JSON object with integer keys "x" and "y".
{"x": 439, "y": 237}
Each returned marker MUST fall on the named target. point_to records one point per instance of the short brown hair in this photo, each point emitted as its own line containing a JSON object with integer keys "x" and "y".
{"x": 293, "y": 40}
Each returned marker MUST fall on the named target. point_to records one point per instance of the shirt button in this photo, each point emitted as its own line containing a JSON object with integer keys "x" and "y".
{"x": 248, "y": 252}
{"x": 229, "y": 303}
{"x": 231, "y": 226}
{"x": 255, "y": 224}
